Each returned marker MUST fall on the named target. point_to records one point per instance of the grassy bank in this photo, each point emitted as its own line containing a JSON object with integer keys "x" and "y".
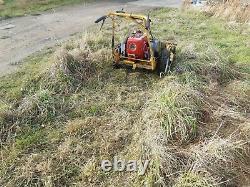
{"x": 12, "y": 8}
{"x": 67, "y": 109}
{"x": 231, "y": 10}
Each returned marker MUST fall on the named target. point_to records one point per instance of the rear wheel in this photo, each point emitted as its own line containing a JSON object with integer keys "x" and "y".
{"x": 163, "y": 66}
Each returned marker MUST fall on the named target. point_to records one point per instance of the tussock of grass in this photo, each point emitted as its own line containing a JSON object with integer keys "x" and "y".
{"x": 170, "y": 119}
{"x": 69, "y": 72}
{"x": 176, "y": 109}
{"x": 76, "y": 64}
{"x": 38, "y": 108}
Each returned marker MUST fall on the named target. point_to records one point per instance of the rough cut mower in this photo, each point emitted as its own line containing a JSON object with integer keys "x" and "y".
{"x": 140, "y": 49}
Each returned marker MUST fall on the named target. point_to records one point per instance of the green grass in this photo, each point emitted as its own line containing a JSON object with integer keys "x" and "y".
{"x": 67, "y": 109}
{"x": 13, "y": 8}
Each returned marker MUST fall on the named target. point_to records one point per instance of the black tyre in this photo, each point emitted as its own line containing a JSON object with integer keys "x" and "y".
{"x": 116, "y": 66}
{"x": 164, "y": 63}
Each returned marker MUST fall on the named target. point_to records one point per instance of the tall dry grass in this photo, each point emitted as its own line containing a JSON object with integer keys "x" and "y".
{"x": 231, "y": 10}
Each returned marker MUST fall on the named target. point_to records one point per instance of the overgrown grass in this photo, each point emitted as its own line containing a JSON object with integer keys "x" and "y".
{"x": 72, "y": 110}
{"x": 231, "y": 10}
{"x": 12, "y": 8}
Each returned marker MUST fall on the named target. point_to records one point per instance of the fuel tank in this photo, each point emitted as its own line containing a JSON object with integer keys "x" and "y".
{"x": 137, "y": 47}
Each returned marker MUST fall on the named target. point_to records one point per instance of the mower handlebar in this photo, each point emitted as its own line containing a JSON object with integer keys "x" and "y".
{"x": 120, "y": 11}
{"x": 101, "y": 19}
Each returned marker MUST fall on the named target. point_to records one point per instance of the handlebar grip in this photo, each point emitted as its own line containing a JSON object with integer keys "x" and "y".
{"x": 101, "y": 19}
{"x": 120, "y": 11}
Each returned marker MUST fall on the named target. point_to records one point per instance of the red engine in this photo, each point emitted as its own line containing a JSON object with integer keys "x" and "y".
{"x": 137, "y": 47}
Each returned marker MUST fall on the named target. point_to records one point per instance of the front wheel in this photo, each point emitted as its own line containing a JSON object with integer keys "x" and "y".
{"x": 164, "y": 62}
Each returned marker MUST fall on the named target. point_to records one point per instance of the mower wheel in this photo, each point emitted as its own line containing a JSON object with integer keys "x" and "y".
{"x": 164, "y": 62}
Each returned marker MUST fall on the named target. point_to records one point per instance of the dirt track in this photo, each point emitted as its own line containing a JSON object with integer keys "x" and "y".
{"x": 22, "y": 36}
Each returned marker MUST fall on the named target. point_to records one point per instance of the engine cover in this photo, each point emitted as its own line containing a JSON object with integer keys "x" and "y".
{"x": 137, "y": 47}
